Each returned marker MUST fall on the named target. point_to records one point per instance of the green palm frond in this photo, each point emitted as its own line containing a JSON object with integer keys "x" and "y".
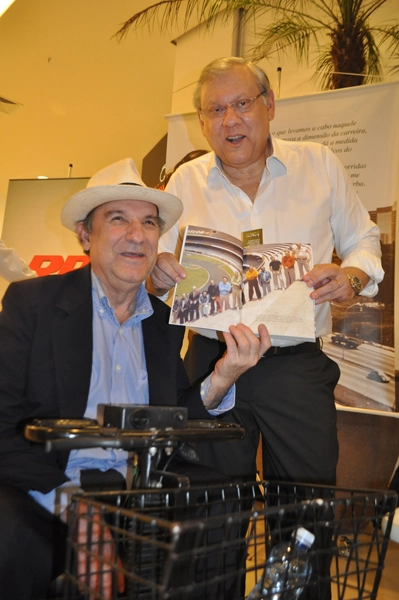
{"x": 163, "y": 14}
{"x": 373, "y": 61}
{"x": 167, "y": 14}
{"x": 390, "y": 36}
{"x": 283, "y": 36}
{"x": 324, "y": 70}
{"x": 355, "y": 47}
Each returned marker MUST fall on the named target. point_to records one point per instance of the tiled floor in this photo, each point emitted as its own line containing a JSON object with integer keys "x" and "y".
{"x": 389, "y": 587}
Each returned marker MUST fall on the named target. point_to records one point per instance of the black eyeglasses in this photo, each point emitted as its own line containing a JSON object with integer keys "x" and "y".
{"x": 241, "y": 106}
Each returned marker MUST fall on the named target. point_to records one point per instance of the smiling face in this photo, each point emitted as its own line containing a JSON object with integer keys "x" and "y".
{"x": 123, "y": 243}
{"x": 238, "y": 139}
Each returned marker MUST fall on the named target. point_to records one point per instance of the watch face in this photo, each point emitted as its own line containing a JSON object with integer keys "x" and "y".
{"x": 356, "y": 284}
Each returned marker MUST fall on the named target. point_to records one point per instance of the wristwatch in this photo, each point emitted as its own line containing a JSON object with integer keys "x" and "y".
{"x": 355, "y": 282}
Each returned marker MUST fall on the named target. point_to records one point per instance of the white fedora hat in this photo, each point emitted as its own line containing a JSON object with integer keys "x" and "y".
{"x": 119, "y": 181}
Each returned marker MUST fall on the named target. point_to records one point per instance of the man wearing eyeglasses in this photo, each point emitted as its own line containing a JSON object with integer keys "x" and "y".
{"x": 291, "y": 191}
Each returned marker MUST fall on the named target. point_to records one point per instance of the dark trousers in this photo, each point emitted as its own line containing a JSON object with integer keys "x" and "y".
{"x": 32, "y": 546}
{"x": 215, "y": 569}
{"x": 394, "y": 484}
{"x": 253, "y": 285}
{"x": 33, "y": 541}
{"x": 289, "y": 399}
{"x": 215, "y": 304}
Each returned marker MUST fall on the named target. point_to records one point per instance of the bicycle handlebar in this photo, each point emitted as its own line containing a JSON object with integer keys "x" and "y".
{"x": 69, "y": 434}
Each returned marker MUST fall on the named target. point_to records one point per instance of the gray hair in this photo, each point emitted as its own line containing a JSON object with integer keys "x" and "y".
{"x": 222, "y": 66}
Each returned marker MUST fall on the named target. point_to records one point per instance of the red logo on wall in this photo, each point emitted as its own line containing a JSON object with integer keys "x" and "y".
{"x": 49, "y": 264}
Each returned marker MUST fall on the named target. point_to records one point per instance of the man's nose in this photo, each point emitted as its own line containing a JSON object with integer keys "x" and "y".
{"x": 135, "y": 231}
{"x": 230, "y": 116}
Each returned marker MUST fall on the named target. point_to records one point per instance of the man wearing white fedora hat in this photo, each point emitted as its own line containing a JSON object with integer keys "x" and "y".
{"x": 94, "y": 335}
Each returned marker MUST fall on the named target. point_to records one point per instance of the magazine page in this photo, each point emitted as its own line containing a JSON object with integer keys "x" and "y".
{"x": 276, "y": 294}
{"x": 214, "y": 265}
{"x": 227, "y": 284}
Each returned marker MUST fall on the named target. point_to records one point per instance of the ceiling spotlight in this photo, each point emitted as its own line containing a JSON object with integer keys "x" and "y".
{"x": 4, "y": 4}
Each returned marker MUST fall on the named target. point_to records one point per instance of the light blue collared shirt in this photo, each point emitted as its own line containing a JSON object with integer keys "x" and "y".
{"x": 119, "y": 376}
{"x": 224, "y": 288}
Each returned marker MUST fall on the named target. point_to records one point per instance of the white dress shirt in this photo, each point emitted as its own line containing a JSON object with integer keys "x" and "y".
{"x": 304, "y": 196}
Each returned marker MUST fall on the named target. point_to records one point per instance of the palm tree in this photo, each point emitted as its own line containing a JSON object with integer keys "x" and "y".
{"x": 351, "y": 57}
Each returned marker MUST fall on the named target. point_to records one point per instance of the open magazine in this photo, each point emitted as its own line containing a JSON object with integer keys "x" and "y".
{"x": 228, "y": 283}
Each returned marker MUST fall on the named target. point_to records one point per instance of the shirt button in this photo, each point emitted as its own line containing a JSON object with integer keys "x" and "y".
{"x": 120, "y": 331}
{"x": 118, "y": 368}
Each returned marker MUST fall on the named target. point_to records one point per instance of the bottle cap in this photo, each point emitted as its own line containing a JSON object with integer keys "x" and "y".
{"x": 305, "y": 537}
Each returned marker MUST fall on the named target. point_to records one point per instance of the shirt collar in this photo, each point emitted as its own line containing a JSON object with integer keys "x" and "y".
{"x": 143, "y": 308}
{"x": 275, "y": 163}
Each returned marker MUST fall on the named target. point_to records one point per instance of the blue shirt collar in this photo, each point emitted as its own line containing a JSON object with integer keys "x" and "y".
{"x": 143, "y": 308}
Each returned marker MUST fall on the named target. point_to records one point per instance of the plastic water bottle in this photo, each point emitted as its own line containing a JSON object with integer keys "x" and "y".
{"x": 287, "y": 569}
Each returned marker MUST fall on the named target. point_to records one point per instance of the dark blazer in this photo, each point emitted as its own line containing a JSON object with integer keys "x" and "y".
{"x": 46, "y": 345}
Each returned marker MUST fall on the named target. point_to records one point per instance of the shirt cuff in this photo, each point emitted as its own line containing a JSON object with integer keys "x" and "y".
{"x": 371, "y": 265}
{"x": 226, "y": 404}
{"x": 58, "y": 499}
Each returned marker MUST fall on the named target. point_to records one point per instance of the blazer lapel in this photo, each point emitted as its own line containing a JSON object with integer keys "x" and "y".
{"x": 72, "y": 339}
{"x": 157, "y": 350}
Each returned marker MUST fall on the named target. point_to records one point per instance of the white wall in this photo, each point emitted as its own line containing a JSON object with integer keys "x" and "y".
{"x": 87, "y": 100}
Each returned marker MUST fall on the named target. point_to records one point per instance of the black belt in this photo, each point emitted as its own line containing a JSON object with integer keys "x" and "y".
{"x": 299, "y": 349}
{"x": 303, "y": 348}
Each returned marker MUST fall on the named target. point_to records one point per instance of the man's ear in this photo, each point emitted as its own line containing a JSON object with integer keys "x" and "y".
{"x": 83, "y": 236}
{"x": 270, "y": 102}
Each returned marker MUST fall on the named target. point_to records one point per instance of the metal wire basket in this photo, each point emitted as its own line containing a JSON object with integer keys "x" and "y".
{"x": 212, "y": 543}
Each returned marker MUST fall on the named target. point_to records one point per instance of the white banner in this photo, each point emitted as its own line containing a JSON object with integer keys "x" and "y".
{"x": 361, "y": 126}
{"x": 32, "y": 225}
{"x": 358, "y": 124}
